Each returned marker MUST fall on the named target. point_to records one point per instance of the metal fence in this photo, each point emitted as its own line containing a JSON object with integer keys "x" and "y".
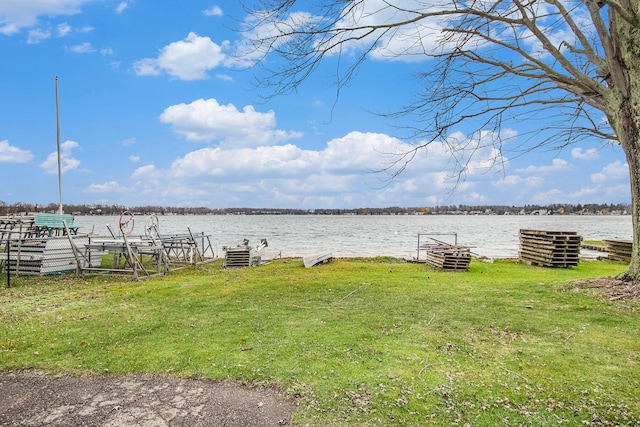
{"x": 35, "y": 256}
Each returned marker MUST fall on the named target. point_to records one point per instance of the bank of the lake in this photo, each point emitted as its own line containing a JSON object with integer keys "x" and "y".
{"x": 355, "y": 342}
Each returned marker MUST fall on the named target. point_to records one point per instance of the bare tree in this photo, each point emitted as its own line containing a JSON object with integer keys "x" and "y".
{"x": 490, "y": 62}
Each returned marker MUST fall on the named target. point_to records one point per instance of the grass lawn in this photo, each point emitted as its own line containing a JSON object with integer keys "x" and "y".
{"x": 357, "y": 341}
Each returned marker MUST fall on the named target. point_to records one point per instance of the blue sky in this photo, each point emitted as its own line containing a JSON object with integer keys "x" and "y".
{"x": 158, "y": 108}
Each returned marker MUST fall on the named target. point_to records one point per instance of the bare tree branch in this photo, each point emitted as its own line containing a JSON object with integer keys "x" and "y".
{"x": 489, "y": 64}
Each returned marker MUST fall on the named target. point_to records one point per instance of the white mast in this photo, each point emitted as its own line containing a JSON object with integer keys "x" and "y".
{"x": 59, "y": 159}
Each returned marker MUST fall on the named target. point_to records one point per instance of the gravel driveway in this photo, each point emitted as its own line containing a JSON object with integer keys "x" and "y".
{"x": 35, "y": 399}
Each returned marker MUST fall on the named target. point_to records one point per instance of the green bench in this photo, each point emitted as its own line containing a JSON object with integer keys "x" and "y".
{"x": 48, "y": 225}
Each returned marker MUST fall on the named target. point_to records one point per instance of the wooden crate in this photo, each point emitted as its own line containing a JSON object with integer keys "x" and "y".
{"x": 549, "y": 248}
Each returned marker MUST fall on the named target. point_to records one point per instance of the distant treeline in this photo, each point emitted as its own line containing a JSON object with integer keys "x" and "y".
{"x": 553, "y": 209}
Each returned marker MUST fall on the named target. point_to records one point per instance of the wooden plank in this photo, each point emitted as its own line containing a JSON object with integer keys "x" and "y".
{"x": 551, "y": 254}
{"x": 548, "y": 232}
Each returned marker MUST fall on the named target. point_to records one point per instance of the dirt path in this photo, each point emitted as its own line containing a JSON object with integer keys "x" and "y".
{"x": 35, "y": 399}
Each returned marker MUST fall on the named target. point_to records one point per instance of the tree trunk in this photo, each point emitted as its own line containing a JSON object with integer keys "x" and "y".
{"x": 625, "y": 80}
{"x": 633, "y": 159}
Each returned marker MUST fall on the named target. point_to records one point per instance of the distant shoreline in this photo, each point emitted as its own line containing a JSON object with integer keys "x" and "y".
{"x": 551, "y": 209}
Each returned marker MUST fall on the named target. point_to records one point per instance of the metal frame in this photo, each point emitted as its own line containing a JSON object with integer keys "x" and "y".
{"x": 425, "y": 247}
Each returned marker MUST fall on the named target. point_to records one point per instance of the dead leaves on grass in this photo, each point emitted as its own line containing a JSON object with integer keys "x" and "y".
{"x": 612, "y": 288}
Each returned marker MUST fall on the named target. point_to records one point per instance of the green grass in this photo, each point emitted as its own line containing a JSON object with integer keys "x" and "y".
{"x": 357, "y": 341}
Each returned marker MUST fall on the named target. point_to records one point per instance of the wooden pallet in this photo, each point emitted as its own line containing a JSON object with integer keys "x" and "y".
{"x": 237, "y": 257}
{"x": 619, "y": 250}
{"x": 549, "y": 248}
{"x": 449, "y": 257}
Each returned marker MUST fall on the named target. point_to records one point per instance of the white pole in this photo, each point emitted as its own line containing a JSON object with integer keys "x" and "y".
{"x": 59, "y": 159}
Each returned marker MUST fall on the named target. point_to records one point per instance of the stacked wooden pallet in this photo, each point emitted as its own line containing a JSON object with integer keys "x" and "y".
{"x": 239, "y": 256}
{"x": 448, "y": 257}
{"x": 550, "y": 248}
{"x": 619, "y": 250}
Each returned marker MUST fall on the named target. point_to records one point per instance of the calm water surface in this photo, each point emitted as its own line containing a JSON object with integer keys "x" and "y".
{"x": 349, "y": 236}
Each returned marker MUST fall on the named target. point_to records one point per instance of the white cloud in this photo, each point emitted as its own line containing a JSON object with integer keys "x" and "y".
{"x": 272, "y": 161}
{"x": 11, "y": 154}
{"x": 602, "y": 193}
{"x": 508, "y": 181}
{"x": 610, "y": 184}
{"x": 616, "y": 171}
{"x": 588, "y": 154}
{"x": 129, "y": 141}
{"x": 620, "y": 191}
{"x": 585, "y": 192}
{"x": 534, "y": 181}
{"x": 213, "y": 11}
{"x": 188, "y": 59}
{"x": 549, "y": 197}
{"x": 107, "y": 187}
{"x": 147, "y": 67}
{"x": 143, "y": 171}
{"x": 476, "y": 198}
{"x": 383, "y": 30}
{"x": 287, "y": 175}
{"x": 18, "y": 15}
{"x": 561, "y": 37}
{"x": 249, "y": 50}
{"x": 82, "y": 48}
{"x": 63, "y": 29}
{"x": 557, "y": 165}
{"x": 398, "y": 30}
{"x": 224, "y": 77}
{"x": 37, "y": 35}
{"x": 68, "y": 163}
{"x": 206, "y": 120}
{"x": 402, "y": 43}
{"x": 134, "y": 159}
{"x": 122, "y": 6}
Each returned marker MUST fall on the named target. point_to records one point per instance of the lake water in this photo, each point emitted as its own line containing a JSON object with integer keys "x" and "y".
{"x": 377, "y": 235}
